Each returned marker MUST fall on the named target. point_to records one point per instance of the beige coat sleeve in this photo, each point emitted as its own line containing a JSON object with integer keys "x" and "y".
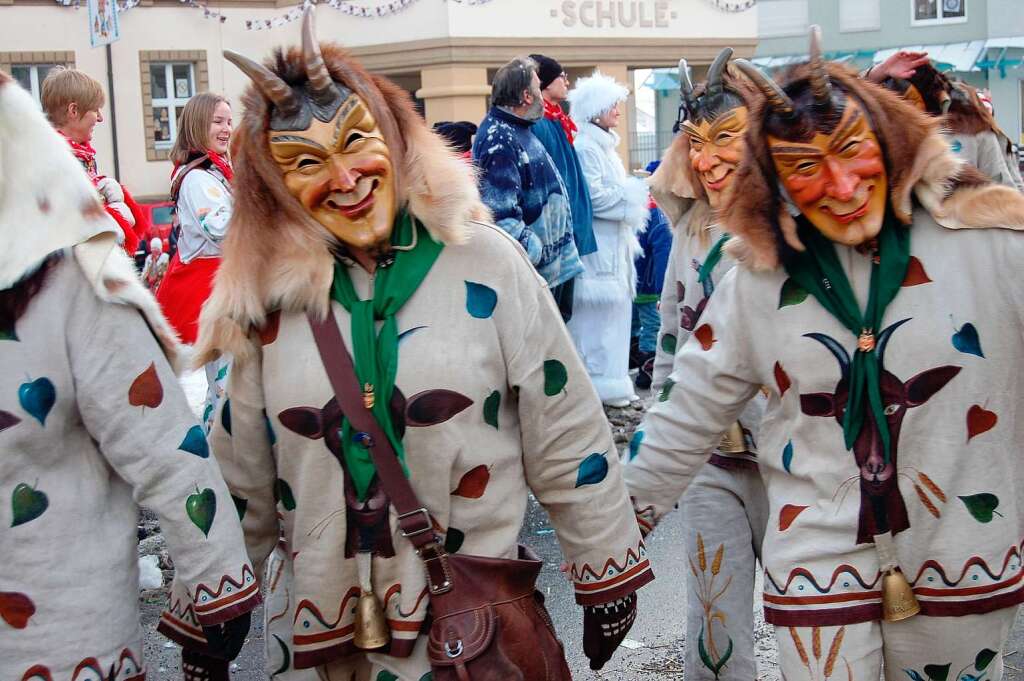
{"x": 986, "y": 152}
{"x": 713, "y": 379}
{"x": 570, "y": 459}
{"x": 130, "y": 402}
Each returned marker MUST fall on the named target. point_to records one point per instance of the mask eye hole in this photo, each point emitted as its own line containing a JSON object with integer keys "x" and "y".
{"x": 307, "y": 163}
{"x": 891, "y": 409}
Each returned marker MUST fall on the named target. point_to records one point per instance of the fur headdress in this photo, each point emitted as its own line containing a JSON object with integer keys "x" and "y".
{"x": 47, "y": 204}
{"x": 275, "y": 254}
{"x": 918, "y": 162}
{"x": 593, "y": 96}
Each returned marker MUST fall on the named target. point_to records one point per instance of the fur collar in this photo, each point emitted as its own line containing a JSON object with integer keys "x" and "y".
{"x": 920, "y": 164}
{"x": 47, "y": 204}
{"x": 606, "y": 139}
{"x": 276, "y": 256}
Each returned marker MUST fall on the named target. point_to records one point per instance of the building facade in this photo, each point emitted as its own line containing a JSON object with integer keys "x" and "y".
{"x": 443, "y": 51}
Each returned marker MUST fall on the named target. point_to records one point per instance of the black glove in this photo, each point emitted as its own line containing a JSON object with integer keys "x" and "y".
{"x": 604, "y": 627}
{"x": 224, "y": 641}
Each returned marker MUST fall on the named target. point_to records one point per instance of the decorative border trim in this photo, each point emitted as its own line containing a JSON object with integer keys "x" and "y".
{"x": 231, "y": 598}
{"x": 615, "y": 580}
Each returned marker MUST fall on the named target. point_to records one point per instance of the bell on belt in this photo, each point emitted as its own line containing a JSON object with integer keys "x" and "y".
{"x": 898, "y": 600}
{"x": 733, "y": 440}
{"x": 372, "y": 630}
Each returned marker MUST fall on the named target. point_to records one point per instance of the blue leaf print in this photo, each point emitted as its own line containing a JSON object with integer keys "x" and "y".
{"x": 405, "y": 334}
{"x": 593, "y": 470}
{"x": 634, "y": 444}
{"x": 225, "y": 416}
{"x": 37, "y": 398}
{"x": 195, "y": 443}
{"x": 480, "y": 300}
{"x": 787, "y": 456}
{"x": 966, "y": 340}
{"x": 913, "y": 674}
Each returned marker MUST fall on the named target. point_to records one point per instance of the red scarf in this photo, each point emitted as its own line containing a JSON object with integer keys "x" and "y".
{"x": 84, "y": 152}
{"x": 221, "y": 163}
{"x": 553, "y": 112}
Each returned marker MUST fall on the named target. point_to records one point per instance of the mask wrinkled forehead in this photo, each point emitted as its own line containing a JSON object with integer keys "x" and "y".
{"x": 310, "y": 105}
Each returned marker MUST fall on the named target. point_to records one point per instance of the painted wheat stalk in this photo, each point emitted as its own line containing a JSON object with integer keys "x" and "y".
{"x": 926, "y": 501}
{"x": 816, "y": 643}
{"x": 716, "y": 564}
{"x": 800, "y": 650}
{"x": 930, "y": 484}
{"x": 702, "y": 558}
{"x": 833, "y": 652}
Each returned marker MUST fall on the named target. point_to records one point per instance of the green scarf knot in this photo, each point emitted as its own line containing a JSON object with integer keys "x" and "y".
{"x": 375, "y": 353}
{"x": 819, "y": 272}
{"x": 714, "y": 255}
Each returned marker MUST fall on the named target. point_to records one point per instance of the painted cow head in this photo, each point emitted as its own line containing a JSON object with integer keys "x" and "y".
{"x": 878, "y": 480}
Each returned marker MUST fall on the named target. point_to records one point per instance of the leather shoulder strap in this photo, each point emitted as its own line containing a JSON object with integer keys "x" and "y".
{"x": 180, "y": 176}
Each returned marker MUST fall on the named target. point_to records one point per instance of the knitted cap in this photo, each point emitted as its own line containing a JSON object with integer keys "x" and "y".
{"x": 547, "y": 69}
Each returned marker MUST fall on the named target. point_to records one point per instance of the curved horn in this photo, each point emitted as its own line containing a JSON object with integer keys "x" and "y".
{"x": 835, "y": 348}
{"x": 883, "y": 338}
{"x": 268, "y": 82}
{"x": 715, "y": 71}
{"x": 319, "y": 77}
{"x": 686, "y": 85}
{"x": 821, "y": 86}
{"x": 778, "y": 100}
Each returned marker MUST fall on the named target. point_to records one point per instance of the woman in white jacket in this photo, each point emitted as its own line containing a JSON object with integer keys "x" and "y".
{"x": 604, "y": 292}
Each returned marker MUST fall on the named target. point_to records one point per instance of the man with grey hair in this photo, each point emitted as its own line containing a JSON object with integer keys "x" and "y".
{"x": 519, "y": 181}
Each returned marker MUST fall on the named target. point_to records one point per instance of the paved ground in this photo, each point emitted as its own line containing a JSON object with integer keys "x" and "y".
{"x": 653, "y": 652}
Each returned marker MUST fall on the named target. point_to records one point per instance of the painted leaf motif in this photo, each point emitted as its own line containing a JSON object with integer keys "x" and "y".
{"x": 474, "y": 483}
{"x": 787, "y": 456}
{"x": 271, "y": 435}
{"x": 914, "y": 674}
{"x": 967, "y": 341}
{"x": 634, "y": 444}
{"x": 668, "y": 343}
{"x": 385, "y": 675}
{"x": 592, "y": 470}
{"x": 491, "y": 406}
{"x": 937, "y": 672}
{"x": 27, "y": 504}
{"x": 916, "y": 274}
{"x": 16, "y": 608}
{"x": 146, "y": 390}
{"x": 306, "y": 421}
{"x": 555, "y": 377}
{"x": 666, "y": 390}
{"x": 286, "y": 657}
{"x": 429, "y": 676}
{"x": 706, "y": 336}
{"x": 268, "y": 332}
{"x": 409, "y": 332}
{"x": 453, "y": 540}
{"x": 725, "y": 657}
{"x": 7, "y": 333}
{"x": 480, "y": 300}
{"x": 980, "y": 420}
{"x": 791, "y": 293}
{"x": 37, "y": 398}
{"x": 195, "y": 443}
{"x": 680, "y": 291}
{"x": 982, "y": 506}
{"x": 8, "y": 420}
{"x": 984, "y": 659}
{"x": 240, "y": 505}
{"x": 225, "y": 416}
{"x": 431, "y": 407}
{"x": 283, "y": 494}
{"x": 201, "y": 508}
{"x": 788, "y": 514}
{"x": 782, "y": 379}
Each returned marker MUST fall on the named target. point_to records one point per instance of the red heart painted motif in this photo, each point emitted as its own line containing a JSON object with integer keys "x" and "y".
{"x": 980, "y": 420}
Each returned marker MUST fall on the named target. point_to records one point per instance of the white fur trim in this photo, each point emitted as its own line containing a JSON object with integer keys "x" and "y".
{"x": 47, "y": 202}
{"x": 593, "y": 95}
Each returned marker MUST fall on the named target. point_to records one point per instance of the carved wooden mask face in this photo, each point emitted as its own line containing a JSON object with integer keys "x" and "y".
{"x": 716, "y": 149}
{"x": 838, "y": 181}
{"x": 341, "y": 172}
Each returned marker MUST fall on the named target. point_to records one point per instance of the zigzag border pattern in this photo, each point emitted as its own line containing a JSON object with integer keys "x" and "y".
{"x": 226, "y": 582}
{"x": 314, "y": 611}
{"x": 632, "y": 560}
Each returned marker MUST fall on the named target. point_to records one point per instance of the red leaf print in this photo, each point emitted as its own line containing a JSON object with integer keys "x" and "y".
{"x": 16, "y": 608}
{"x": 473, "y": 483}
{"x": 979, "y": 420}
{"x": 268, "y": 332}
{"x": 146, "y": 390}
{"x": 706, "y": 335}
{"x": 788, "y": 514}
{"x": 915, "y": 273}
{"x": 430, "y": 407}
{"x": 782, "y": 379}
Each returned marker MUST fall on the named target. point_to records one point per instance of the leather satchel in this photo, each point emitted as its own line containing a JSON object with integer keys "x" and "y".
{"x": 488, "y": 621}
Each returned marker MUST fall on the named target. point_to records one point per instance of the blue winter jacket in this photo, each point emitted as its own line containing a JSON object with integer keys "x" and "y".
{"x": 656, "y": 242}
{"x": 519, "y": 183}
{"x": 553, "y": 138}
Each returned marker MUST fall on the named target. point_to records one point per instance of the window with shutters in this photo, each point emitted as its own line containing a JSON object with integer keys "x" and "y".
{"x": 169, "y": 79}
{"x": 931, "y": 12}
{"x": 29, "y": 69}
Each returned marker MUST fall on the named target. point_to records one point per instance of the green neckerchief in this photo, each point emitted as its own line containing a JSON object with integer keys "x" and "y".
{"x": 818, "y": 271}
{"x": 375, "y": 354}
{"x": 714, "y": 255}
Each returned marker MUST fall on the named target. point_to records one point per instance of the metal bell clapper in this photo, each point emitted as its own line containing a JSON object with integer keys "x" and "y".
{"x": 898, "y": 600}
{"x": 371, "y": 626}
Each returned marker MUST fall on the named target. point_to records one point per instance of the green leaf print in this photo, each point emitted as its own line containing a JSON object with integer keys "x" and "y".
{"x": 385, "y": 675}
{"x": 555, "y": 377}
{"x": 791, "y": 294}
{"x": 27, "y": 504}
{"x": 201, "y": 508}
{"x": 240, "y": 505}
{"x": 453, "y": 540}
{"x": 982, "y": 506}
{"x": 668, "y": 343}
{"x": 283, "y": 492}
{"x": 984, "y": 659}
{"x": 937, "y": 672}
{"x": 666, "y": 390}
{"x": 491, "y": 406}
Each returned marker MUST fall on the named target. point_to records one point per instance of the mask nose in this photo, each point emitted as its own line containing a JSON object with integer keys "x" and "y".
{"x": 842, "y": 183}
{"x": 342, "y": 179}
{"x": 706, "y": 160}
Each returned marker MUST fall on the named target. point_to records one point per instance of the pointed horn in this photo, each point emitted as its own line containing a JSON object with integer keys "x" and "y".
{"x": 268, "y": 82}
{"x": 319, "y": 77}
{"x": 715, "y": 71}
{"x": 821, "y": 86}
{"x": 778, "y": 100}
{"x": 883, "y": 338}
{"x": 835, "y": 348}
{"x": 686, "y": 85}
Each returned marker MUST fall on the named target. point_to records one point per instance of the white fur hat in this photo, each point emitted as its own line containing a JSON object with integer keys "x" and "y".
{"x": 594, "y": 95}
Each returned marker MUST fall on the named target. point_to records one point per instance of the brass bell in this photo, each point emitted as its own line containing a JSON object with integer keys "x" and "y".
{"x": 898, "y": 600}
{"x": 372, "y": 631}
{"x": 733, "y": 440}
